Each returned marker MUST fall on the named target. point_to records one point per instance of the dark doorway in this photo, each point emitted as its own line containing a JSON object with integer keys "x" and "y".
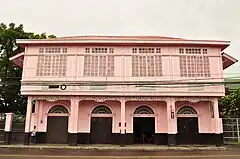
{"x": 187, "y": 130}
{"x": 143, "y": 130}
{"x": 101, "y": 130}
{"x": 57, "y": 129}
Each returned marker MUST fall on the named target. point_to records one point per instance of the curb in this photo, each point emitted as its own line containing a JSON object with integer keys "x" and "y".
{"x": 117, "y": 148}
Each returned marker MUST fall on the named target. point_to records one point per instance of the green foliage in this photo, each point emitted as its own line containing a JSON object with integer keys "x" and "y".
{"x": 10, "y": 75}
{"x": 229, "y": 106}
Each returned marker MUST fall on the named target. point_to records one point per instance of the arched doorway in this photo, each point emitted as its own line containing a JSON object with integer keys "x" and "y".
{"x": 101, "y": 125}
{"x": 57, "y": 125}
{"x": 143, "y": 125}
{"x": 187, "y": 125}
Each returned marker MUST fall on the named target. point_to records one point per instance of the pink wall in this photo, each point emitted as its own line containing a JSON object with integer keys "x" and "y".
{"x": 39, "y": 118}
{"x": 160, "y": 115}
{"x": 123, "y": 72}
{"x": 85, "y": 109}
{"x": 205, "y": 121}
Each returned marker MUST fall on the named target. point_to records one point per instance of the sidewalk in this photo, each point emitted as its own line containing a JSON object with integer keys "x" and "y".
{"x": 118, "y": 148}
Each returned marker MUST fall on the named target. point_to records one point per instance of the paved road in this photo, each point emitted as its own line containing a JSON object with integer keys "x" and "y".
{"x": 231, "y": 153}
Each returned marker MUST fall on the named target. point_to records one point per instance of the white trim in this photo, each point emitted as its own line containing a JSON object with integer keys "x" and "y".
{"x": 101, "y": 115}
{"x": 186, "y": 105}
{"x": 187, "y": 115}
{"x": 147, "y": 105}
{"x": 101, "y": 104}
{"x": 147, "y": 41}
{"x": 144, "y": 115}
{"x": 58, "y": 114}
{"x": 16, "y": 56}
{"x": 58, "y": 104}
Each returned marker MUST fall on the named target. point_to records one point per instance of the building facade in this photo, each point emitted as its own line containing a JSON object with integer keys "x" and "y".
{"x": 123, "y": 89}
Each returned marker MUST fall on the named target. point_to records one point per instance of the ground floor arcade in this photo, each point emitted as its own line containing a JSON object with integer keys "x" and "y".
{"x": 124, "y": 120}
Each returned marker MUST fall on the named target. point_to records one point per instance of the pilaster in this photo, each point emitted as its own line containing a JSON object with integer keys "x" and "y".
{"x": 28, "y": 120}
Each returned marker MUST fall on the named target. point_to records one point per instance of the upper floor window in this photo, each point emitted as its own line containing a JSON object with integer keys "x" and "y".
{"x": 52, "y": 50}
{"x": 51, "y": 64}
{"x": 146, "y": 65}
{"x": 146, "y": 50}
{"x": 196, "y": 51}
{"x": 99, "y": 50}
{"x": 194, "y": 65}
{"x": 98, "y": 65}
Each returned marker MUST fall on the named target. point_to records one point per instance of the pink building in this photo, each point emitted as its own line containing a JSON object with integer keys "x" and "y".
{"x": 123, "y": 89}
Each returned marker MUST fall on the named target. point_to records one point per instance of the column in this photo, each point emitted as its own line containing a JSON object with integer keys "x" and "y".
{"x": 28, "y": 120}
{"x": 8, "y": 127}
{"x": 172, "y": 122}
{"x": 73, "y": 124}
{"x": 217, "y": 124}
{"x": 123, "y": 121}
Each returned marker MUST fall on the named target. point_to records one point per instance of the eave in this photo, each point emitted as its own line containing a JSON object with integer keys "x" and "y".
{"x": 18, "y": 59}
{"x": 227, "y": 60}
{"x": 140, "y": 41}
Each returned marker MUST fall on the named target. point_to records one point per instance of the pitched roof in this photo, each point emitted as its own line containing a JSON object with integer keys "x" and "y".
{"x": 116, "y": 38}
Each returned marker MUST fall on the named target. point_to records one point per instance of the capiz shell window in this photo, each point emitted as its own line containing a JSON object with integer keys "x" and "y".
{"x": 52, "y": 62}
{"x": 194, "y": 65}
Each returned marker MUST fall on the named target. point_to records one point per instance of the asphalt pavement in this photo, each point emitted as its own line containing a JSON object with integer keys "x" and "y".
{"x": 232, "y": 152}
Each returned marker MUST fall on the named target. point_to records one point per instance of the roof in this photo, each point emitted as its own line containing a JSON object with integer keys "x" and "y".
{"x": 124, "y": 40}
{"x": 88, "y": 37}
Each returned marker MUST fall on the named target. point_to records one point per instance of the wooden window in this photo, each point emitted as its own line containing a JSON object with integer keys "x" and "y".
{"x": 143, "y": 110}
{"x": 187, "y": 110}
{"x": 98, "y": 65}
{"x": 194, "y": 66}
{"x": 51, "y": 64}
{"x": 146, "y": 65}
{"x": 158, "y": 50}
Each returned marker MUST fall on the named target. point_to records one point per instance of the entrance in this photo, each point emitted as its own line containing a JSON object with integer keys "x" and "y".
{"x": 143, "y": 130}
{"x": 187, "y": 130}
{"x": 101, "y": 125}
{"x": 101, "y": 130}
{"x": 57, "y": 130}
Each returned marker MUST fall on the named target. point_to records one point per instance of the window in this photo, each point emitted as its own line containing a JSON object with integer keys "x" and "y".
{"x": 149, "y": 63}
{"x": 146, "y": 65}
{"x": 194, "y": 65}
{"x": 143, "y": 110}
{"x": 99, "y": 50}
{"x": 87, "y": 50}
{"x": 146, "y": 50}
{"x": 101, "y": 64}
{"x": 187, "y": 110}
{"x": 98, "y": 65}
{"x": 58, "y": 109}
{"x": 158, "y": 50}
{"x": 51, "y": 64}
{"x": 101, "y": 110}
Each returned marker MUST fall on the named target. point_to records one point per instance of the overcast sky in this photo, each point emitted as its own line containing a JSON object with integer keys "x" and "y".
{"x": 192, "y": 19}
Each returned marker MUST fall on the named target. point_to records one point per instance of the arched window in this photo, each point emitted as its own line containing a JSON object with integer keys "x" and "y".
{"x": 101, "y": 109}
{"x": 143, "y": 110}
{"x": 187, "y": 110}
{"x": 58, "y": 109}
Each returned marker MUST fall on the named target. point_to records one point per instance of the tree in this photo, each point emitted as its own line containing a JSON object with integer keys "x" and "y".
{"x": 10, "y": 75}
{"x": 229, "y": 106}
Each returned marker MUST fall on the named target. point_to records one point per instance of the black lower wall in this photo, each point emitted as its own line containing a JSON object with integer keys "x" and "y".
{"x": 204, "y": 139}
{"x": 118, "y": 139}
{"x": 17, "y": 137}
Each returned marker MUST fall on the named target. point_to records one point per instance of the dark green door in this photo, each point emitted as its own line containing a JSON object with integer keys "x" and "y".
{"x": 101, "y": 130}
{"x": 57, "y": 130}
{"x": 143, "y": 130}
{"x": 187, "y": 130}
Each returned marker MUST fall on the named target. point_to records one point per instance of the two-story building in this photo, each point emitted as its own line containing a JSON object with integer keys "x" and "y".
{"x": 123, "y": 89}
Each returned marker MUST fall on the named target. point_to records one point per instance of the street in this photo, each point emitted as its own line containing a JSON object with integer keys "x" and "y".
{"x": 14, "y": 153}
